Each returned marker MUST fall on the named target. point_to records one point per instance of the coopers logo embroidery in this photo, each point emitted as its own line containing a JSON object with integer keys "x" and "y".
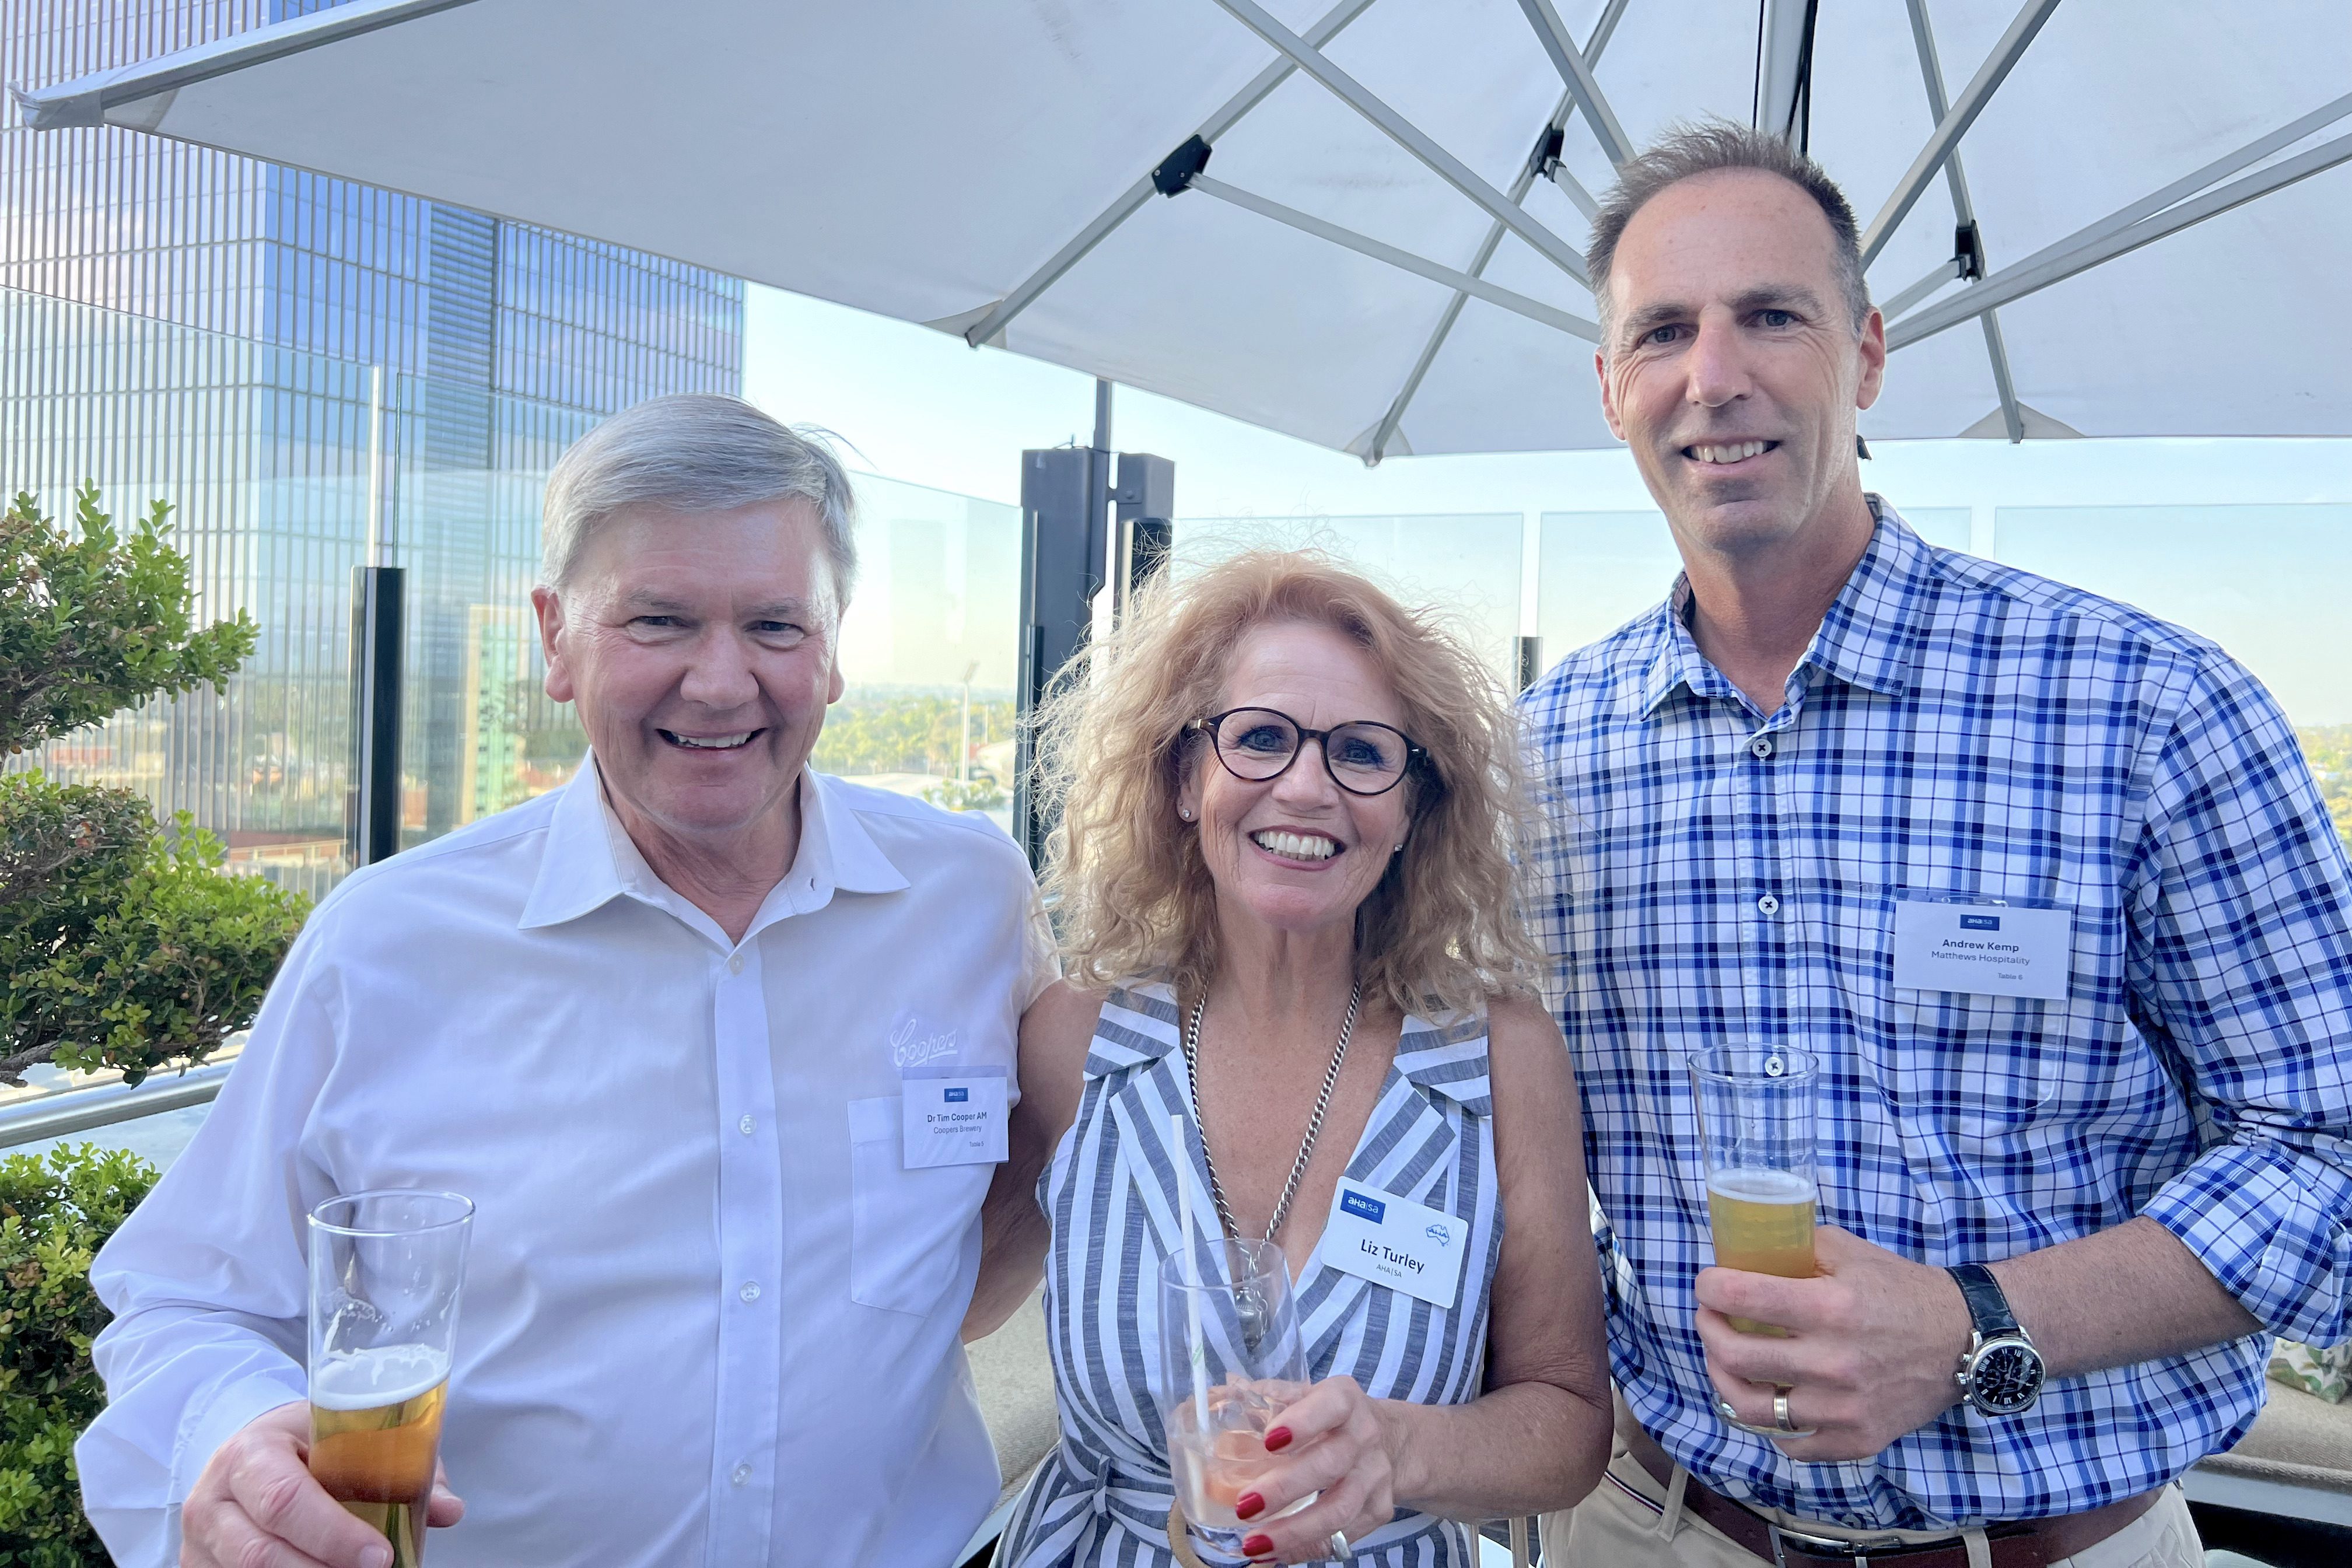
{"x": 1363, "y": 1207}
{"x": 1979, "y": 922}
{"x": 914, "y": 1043}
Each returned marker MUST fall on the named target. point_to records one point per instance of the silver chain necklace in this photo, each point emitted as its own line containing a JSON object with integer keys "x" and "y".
{"x": 1314, "y": 1123}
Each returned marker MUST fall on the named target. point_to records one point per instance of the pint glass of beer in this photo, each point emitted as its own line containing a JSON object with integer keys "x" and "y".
{"x": 385, "y": 1271}
{"x": 1756, "y": 1125}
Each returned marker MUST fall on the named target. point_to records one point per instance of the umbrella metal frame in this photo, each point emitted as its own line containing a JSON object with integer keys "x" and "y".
{"x": 138, "y": 96}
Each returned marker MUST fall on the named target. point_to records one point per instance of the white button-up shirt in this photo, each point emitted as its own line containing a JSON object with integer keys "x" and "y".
{"x": 709, "y": 1317}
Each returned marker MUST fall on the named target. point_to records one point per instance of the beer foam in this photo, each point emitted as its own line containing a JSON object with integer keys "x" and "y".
{"x": 362, "y": 1380}
{"x": 1758, "y": 1186}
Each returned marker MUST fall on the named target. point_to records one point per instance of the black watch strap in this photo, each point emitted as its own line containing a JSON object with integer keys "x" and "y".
{"x": 1987, "y": 1305}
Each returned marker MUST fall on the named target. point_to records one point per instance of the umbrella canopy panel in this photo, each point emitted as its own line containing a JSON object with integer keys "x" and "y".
{"x": 932, "y": 160}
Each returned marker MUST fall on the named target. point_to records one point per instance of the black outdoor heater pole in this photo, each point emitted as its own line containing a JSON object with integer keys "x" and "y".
{"x": 374, "y": 814}
{"x": 371, "y": 803}
{"x": 1067, "y": 543}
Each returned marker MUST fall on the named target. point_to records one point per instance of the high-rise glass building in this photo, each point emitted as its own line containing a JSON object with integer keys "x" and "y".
{"x": 298, "y": 363}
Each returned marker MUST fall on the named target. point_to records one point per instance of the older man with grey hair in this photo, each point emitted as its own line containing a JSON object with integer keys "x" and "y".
{"x": 673, "y": 1028}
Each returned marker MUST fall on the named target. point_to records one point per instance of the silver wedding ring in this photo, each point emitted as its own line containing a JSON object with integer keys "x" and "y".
{"x": 1337, "y": 1548}
{"x": 1783, "y": 1426}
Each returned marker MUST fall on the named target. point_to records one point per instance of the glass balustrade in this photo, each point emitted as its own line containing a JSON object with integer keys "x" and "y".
{"x": 281, "y": 466}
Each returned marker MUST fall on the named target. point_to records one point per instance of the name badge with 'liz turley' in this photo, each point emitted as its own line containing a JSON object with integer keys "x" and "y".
{"x": 1393, "y": 1241}
{"x": 1989, "y": 949}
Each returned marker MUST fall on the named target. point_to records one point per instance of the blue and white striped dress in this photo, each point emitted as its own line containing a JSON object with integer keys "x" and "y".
{"x": 1102, "y": 1497}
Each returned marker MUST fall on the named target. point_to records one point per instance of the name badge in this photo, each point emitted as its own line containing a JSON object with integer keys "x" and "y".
{"x": 1393, "y": 1241}
{"x": 955, "y": 1116}
{"x": 1987, "y": 949}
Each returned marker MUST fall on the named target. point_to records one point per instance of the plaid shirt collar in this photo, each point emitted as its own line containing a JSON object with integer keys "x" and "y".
{"x": 1870, "y": 637}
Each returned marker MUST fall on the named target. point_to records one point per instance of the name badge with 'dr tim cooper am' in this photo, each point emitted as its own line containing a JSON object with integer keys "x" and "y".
{"x": 954, "y": 1116}
{"x": 1393, "y": 1241}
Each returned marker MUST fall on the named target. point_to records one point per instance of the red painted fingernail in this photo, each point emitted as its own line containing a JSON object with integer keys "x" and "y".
{"x": 1277, "y": 1441}
{"x": 1249, "y": 1505}
{"x": 1258, "y": 1546}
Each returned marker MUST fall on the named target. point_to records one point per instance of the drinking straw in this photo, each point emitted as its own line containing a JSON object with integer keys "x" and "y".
{"x": 1197, "y": 1348}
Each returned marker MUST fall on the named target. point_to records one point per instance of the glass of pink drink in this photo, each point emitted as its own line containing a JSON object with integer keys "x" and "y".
{"x": 1230, "y": 1361}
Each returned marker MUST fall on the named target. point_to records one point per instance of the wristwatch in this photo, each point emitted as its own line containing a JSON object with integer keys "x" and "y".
{"x": 2001, "y": 1372}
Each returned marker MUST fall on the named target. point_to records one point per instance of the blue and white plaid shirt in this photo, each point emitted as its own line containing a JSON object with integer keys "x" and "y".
{"x": 1710, "y": 873}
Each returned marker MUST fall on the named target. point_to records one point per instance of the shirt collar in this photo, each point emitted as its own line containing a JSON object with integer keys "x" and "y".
{"x": 1675, "y": 660}
{"x": 1871, "y": 636}
{"x": 1139, "y": 1025}
{"x": 854, "y": 862}
{"x": 577, "y": 871}
{"x": 1869, "y": 639}
{"x": 591, "y": 860}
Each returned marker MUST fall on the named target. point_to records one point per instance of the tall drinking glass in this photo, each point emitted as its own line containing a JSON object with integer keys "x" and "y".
{"x": 385, "y": 1272}
{"x": 1229, "y": 1358}
{"x": 1756, "y": 1124}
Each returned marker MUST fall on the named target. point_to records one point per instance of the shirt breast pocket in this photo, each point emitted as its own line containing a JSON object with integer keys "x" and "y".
{"x": 1963, "y": 1063}
{"x": 909, "y": 1230}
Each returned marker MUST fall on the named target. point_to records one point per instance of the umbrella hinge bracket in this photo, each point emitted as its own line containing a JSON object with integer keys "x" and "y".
{"x": 1174, "y": 175}
{"x": 1546, "y": 156}
{"x": 1968, "y": 252}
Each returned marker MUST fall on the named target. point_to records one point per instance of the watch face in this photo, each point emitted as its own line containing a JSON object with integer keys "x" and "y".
{"x": 2006, "y": 1378}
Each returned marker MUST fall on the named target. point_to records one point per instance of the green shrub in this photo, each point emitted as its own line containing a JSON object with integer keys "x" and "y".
{"x": 55, "y": 1214}
{"x": 93, "y": 621}
{"x": 121, "y": 945}
{"x": 136, "y": 954}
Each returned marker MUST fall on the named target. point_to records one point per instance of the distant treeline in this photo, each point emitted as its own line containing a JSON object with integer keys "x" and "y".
{"x": 876, "y": 733}
{"x": 2328, "y": 749}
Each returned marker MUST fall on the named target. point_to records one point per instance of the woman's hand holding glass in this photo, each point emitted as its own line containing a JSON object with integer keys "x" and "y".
{"x": 1333, "y": 1441}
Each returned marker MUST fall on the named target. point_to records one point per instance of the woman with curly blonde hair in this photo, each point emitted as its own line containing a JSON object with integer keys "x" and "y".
{"x": 1283, "y": 882}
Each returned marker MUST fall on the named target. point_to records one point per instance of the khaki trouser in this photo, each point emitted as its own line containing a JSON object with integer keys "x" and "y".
{"x": 1610, "y": 1530}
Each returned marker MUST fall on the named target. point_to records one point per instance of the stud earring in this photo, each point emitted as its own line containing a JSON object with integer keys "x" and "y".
{"x": 1398, "y": 850}
{"x": 1185, "y": 811}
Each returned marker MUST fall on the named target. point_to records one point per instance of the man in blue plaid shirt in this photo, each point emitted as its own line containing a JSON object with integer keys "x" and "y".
{"x": 1833, "y": 735}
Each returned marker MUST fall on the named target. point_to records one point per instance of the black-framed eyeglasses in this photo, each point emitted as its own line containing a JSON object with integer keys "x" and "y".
{"x": 1260, "y": 743}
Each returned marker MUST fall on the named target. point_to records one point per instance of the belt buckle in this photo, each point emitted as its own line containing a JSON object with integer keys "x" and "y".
{"x": 1811, "y": 1546}
{"x": 1854, "y": 1551}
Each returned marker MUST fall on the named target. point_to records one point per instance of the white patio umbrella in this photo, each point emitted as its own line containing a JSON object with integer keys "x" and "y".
{"x": 2095, "y": 217}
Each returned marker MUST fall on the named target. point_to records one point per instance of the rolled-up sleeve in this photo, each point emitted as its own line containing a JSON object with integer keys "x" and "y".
{"x": 2241, "y": 970}
{"x": 206, "y": 1281}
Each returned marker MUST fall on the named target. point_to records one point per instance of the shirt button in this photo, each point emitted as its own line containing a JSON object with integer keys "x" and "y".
{"x": 742, "y": 1474}
{"x": 735, "y": 964}
{"x": 750, "y": 1293}
{"x": 1760, "y": 746}
{"x": 1768, "y": 905}
{"x": 745, "y": 1126}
